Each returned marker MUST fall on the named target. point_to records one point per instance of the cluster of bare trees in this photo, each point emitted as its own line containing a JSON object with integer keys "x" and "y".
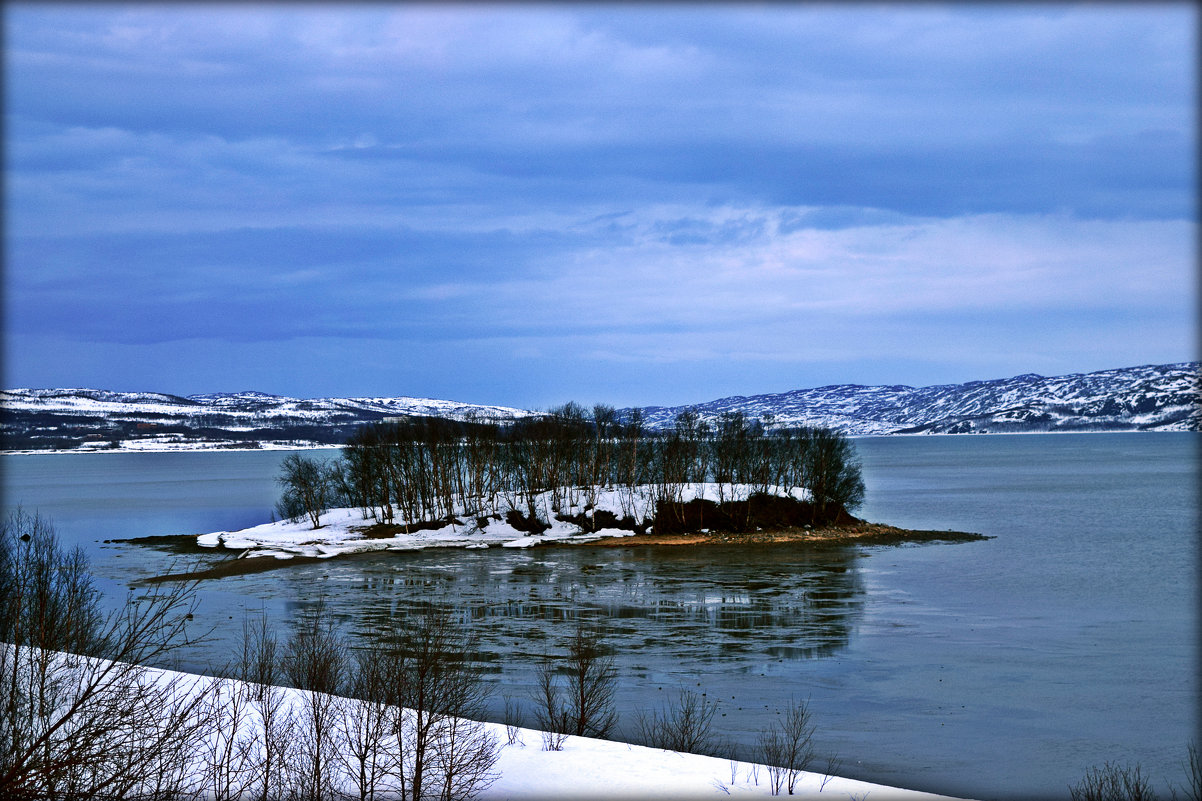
{"x": 397, "y": 719}
{"x": 82, "y": 717}
{"x": 430, "y": 469}
{"x": 79, "y": 715}
{"x": 427, "y": 470}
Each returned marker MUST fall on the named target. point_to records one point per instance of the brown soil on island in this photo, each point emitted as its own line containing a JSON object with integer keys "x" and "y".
{"x": 860, "y": 533}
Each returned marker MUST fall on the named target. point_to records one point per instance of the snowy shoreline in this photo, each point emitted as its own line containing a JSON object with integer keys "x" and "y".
{"x": 586, "y": 768}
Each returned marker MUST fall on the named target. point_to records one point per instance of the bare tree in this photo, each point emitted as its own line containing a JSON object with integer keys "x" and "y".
{"x": 231, "y": 754}
{"x": 462, "y": 758}
{"x": 592, "y": 679}
{"x": 308, "y": 488}
{"x": 314, "y": 660}
{"x": 259, "y": 669}
{"x": 771, "y": 747}
{"x": 585, "y": 707}
{"x": 550, "y": 715}
{"x": 368, "y": 758}
{"x": 513, "y": 721}
{"x": 445, "y": 752}
{"x": 832, "y": 471}
{"x": 833, "y": 763}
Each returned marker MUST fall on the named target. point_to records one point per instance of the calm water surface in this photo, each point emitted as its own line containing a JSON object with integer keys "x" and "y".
{"x": 996, "y": 669}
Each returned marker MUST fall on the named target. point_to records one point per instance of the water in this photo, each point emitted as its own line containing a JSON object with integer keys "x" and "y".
{"x": 996, "y": 669}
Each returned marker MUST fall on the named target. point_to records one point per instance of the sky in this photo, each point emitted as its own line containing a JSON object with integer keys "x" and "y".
{"x": 634, "y": 204}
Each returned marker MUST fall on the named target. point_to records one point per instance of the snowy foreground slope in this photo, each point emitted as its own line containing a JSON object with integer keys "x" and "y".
{"x": 1147, "y": 398}
{"x": 587, "y": 768}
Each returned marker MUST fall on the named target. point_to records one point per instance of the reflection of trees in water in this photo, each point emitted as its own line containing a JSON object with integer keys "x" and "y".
{"x": 708, "y": 605}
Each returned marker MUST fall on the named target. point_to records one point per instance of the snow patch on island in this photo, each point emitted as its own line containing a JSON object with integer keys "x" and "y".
{"x": 345, "y": 531}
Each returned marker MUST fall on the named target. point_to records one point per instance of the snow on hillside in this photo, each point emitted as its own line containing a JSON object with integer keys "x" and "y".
{"x": 1147, "y": 398}
{"x": 88, "y": 420}
{"x": 93, "y": 401}
{"x": 256, "y": 406}
{"x": 1152, "y": 397}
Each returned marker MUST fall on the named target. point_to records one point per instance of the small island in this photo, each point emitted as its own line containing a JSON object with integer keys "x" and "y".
{"x": 569, "y": 477}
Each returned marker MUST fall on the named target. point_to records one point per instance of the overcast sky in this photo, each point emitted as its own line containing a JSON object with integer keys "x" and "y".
{"x": 631, "y": 204}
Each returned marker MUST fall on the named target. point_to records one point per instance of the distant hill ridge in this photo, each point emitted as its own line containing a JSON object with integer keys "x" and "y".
{"x": 1161, "y": 397}
{"x": 68, "y": 419}
{"x": 1146, "y": 398}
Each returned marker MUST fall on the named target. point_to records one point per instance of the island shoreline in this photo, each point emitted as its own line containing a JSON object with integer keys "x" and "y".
{"x": 859, "y": 533}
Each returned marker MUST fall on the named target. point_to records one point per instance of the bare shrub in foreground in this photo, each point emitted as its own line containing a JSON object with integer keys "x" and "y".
{"x": 549, "y": 713}
{"x": 513, "y": 721}
{"x": 1193, "y": 774}
{"x": 591, "y": 683}
{"x": 1113, "y": 782}
{"x": 231, "y": 757}
{"x": 462, "y": 758}
{"x": 787, "y": 748}
{"x": 259, "y": 669}
{"x": 79, "y": 715}
{"x": 686, "y": 724}
{"x": 833, "y": 763}
{"x": 585, "y": 707}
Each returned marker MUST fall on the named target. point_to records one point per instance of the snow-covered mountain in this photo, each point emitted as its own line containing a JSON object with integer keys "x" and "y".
{"x": 1149, "y": 398}
{"x": 37, "y": 419}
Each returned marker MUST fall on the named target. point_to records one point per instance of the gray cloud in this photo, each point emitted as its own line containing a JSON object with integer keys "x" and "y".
{"x": 719, "y": 189}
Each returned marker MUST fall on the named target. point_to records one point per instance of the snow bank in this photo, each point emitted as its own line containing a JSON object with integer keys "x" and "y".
{"x": 590, "y": 770}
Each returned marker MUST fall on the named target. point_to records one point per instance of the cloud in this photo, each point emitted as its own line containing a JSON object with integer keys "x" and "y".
{"x": 671, "y": 268}
{"x": 922, "y": 110}
{"x": 735, "y": 187}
